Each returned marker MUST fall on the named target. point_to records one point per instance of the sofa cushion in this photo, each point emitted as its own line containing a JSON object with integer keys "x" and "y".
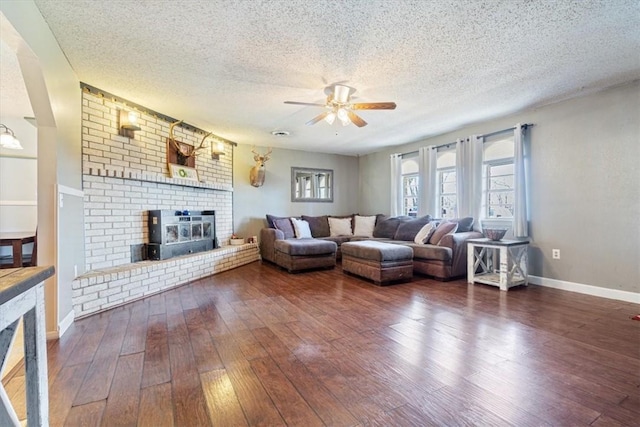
{"x": 319, "y": 225}
{"x": 377, "y": 251}
{"x": 338, "y": 239}
{"x": 407, "y": 230}
{"x": 431, "y": 252}
{"x": 464, "y": 224}
{"x": 445, "y": 227}
{"x": 285, "y": 225}
{"x": 387, "y": 227}
{"x": 340, "y": 226}
{"x": 364, "y": 225}
{"x": 301, "y": 228}
{"x": 425, "y": 233}
{"x": 302, "y": 247}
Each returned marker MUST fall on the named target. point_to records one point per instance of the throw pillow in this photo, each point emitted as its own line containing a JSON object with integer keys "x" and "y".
{"x": 272, "y": 218}
{"x": 285, "y": 225}
{"x": 464, "y": 224}
{"x": 443, "y": 229}
{"x": 319, "y": 225}
{"x": 387, "y": 227}
{"x": 340, "y": 226}
{"x": 364, "y": 225}
{"x": 425, "y": 233}
{"x": 301, "y": 228}
{"x": 407, "y": 230}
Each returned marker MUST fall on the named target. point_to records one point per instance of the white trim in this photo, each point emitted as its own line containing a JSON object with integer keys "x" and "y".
{"x": 18, "y": 203}
{"x": 71, "y": 191}
{"x": 17, "y": 156}
{"x": 597, "y": 291}
{"x": 62, "y": 326}
{"x": 66, "y": 322}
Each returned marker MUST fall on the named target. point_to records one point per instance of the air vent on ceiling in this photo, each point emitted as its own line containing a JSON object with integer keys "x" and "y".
{"x": 280, "y": 133}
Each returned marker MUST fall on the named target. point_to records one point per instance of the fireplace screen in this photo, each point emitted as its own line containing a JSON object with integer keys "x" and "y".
{"x": 180, "y": 232}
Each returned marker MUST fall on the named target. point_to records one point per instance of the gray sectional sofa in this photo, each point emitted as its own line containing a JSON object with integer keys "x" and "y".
{"x": 444, "y": 259}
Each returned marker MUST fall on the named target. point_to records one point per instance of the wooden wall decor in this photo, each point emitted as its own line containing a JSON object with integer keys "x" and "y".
{"x": 177, "y": 158}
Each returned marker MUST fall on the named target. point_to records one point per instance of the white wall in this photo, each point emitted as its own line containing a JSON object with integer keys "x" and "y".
{"x": 54, "y": 93}
{"x": 585, "y": 186}
{"x": 18, "y": 180}
{"x": 251, "y": 204}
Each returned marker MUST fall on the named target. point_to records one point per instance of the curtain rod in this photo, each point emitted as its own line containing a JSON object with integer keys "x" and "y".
{"x": 526, "y": 125}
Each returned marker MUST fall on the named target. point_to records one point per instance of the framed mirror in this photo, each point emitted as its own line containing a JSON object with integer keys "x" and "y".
{"x": 311, "y": 185}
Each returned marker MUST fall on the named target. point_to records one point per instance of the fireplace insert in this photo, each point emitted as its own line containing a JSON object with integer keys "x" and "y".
{"x": 175, "y": 233}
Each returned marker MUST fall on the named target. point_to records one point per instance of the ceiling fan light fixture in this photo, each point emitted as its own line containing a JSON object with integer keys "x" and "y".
{"x": 339, "y": 105}
{"x": 343, "y": 116}
{"x": 341, "y": 93}
{"x": 331, "y": 117}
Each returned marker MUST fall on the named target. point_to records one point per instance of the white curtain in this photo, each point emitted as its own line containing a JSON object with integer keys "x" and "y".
{"x": 469, "y": 178}
{"x": 520, "y": 223}
{"x": 427, "y": 164}
{"x": 462, "y": 165}
{"x": 396, "y": 185}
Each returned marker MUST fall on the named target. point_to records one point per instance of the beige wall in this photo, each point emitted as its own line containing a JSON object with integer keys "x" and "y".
{"x": 251, "y": 204}
{"x": 585, "y": 186}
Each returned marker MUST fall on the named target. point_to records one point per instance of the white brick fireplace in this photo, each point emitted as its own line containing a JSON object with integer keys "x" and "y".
{"x": 123, "y": 178}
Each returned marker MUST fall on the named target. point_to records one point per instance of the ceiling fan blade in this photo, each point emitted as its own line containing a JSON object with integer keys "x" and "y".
{"x": 356, "y": 119}
{"x": 374, "y": 106}
{"x": 304, "y": 103}
{"x": 317, "y": 118}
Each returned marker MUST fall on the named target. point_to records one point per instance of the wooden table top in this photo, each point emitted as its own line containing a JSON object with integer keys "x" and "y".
{"x": 14, "y": 281}
{"x": 502, "y": 242}
{"x": 17, "y": 235}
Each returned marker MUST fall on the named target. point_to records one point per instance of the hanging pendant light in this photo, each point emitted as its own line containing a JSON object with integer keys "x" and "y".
{"x": 8, "y": 139}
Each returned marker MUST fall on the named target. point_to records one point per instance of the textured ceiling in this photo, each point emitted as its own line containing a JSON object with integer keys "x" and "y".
{"x": 14, "y": 100}
{"x": 227, "y": 66}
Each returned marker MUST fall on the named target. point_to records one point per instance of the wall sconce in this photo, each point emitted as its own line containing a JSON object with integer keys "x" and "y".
{"x": 8, "y": 139}
{"x": 128, "y": 123}
{"x": 217, "y": 150}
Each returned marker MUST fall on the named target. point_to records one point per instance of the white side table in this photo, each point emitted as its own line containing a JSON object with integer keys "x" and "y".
{"x": 22, "y": 296}
{"x": 500, "y": 263}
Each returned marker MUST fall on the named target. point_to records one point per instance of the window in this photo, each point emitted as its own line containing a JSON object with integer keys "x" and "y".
{"x": 499, "y": 177}
{"x": 500, "y": 195}
{"x": 447, "y": 197}
{"x": 447, "y": 184}
{"x": 410, "y": 186}
{"x": 410, "y": 194}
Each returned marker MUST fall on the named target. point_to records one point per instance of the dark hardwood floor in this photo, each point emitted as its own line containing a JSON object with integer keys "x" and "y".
{"x": 258, "y": 346}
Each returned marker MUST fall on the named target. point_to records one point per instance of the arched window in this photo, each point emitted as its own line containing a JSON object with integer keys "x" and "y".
{"x": 410, "y": 186}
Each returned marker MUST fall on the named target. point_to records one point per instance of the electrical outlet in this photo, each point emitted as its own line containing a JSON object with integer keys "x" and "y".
{"x": 555, "y": 253}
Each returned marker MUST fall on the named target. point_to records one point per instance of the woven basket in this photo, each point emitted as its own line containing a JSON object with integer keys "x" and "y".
{"x": 494, "y": 233}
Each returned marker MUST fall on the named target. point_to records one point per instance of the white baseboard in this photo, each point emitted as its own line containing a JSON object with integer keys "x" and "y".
{"x": 66, "y": 322}
{"x": 597, "y": 291}
{"x": 62, "y": 326}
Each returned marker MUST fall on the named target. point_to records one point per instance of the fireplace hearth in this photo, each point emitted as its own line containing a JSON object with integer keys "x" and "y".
{"x": 174, "y": 233}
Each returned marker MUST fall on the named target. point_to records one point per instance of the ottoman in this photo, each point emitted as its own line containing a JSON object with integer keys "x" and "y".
{"x": 377, "y": 261}
{"x": 304, "y": 254}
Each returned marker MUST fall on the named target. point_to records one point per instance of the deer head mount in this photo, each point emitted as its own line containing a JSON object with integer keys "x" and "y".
{"x": 256, "y": 174}
{"x": 184, "y": 154}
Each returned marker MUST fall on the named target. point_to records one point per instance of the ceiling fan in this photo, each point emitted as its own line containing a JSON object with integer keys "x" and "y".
{"x": 339, "y": 105}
